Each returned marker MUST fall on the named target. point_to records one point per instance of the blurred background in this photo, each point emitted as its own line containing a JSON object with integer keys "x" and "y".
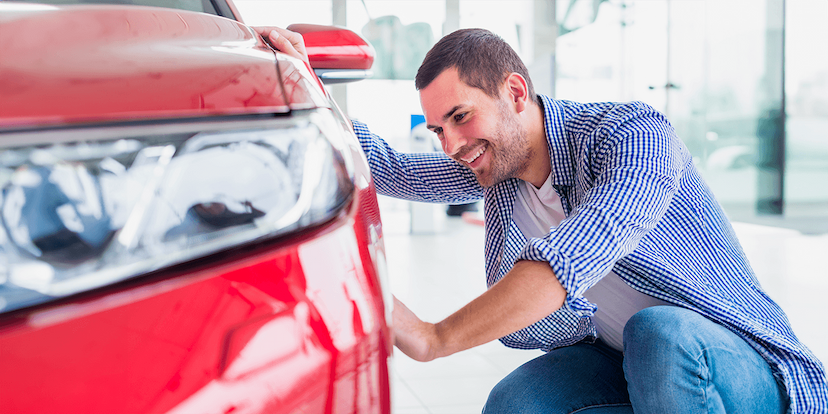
{"x": 744, "y": 82}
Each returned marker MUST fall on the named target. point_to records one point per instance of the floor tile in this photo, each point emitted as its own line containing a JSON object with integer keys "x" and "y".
{"x": 461, "y": 364}
{"x": 435, "y": 392}
{"x": 410, "y": 410}
{"x": 456, "y": 409}
{"x": 506, "y": 360}
{"x": 402, "y": 397}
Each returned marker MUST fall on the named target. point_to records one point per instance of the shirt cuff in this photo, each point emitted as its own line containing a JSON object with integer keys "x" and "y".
{"x": 540, "y": 250}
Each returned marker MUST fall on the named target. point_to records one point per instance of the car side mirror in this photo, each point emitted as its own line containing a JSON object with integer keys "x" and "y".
{"x": 336, "y": 54}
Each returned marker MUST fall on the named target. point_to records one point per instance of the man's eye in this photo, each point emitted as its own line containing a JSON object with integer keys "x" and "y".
{"x": 438, "y": 131}
{"x": 459, "y": 117}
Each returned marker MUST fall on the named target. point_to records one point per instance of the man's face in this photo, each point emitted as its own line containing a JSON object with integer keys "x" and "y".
{"x": 475, "y": 129}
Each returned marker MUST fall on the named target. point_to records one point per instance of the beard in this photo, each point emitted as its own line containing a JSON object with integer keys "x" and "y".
{"x": 510, "y": 157}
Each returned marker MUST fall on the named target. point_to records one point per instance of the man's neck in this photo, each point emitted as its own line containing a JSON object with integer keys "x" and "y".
{"x": 539, "y": 162}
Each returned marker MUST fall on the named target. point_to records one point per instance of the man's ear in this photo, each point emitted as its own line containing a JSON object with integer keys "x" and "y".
{"x": 517, "y": 90}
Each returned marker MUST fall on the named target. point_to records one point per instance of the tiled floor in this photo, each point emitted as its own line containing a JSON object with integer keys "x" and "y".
{"x": 436, "y": 274}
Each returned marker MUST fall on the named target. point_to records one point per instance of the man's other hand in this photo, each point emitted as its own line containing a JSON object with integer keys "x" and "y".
{"x": 283, "y": 40}
{"x": 413, "y": 337}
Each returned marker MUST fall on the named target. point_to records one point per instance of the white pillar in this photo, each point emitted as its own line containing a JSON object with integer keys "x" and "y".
{"x": 542, "y": 69}
{"x": 340, "y": 18}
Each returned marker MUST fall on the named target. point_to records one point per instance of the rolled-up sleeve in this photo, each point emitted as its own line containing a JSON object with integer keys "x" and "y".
{"x": 635, "y": 162}
{"x": 427, "y": 177}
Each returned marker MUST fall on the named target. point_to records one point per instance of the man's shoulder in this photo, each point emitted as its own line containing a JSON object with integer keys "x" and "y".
{"x": 596, "y": 111}
{"x": 581, "y": 117}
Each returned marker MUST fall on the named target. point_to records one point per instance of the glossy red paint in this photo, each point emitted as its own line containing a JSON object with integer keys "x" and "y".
{"x": 334, "y": 48}
{"x": 83, "y": 64}
{"x": 280, "y": 331}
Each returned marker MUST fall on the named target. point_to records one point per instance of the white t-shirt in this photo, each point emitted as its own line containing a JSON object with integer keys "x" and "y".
{"x": 536, "y": 211}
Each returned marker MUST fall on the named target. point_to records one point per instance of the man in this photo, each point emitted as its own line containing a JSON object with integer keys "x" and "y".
{"x": 590, "y": 204}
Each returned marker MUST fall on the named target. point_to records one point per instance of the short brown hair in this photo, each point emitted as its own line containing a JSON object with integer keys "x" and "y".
{"x": 483, "y": 60}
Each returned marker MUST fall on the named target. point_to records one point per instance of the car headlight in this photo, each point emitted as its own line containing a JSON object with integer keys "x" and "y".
{"x": 88, "y": 207}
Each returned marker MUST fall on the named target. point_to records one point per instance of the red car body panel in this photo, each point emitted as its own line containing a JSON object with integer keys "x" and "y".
{"x": 298, "y": 324}
{"x": 83, "y": 63}
{"x": 228, "y": 337}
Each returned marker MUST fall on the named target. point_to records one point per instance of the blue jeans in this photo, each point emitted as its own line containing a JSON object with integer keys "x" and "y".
{"x": 674, "y": 361}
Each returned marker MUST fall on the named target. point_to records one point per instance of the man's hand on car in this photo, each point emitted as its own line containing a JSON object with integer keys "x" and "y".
{"x": 283, "y": 40}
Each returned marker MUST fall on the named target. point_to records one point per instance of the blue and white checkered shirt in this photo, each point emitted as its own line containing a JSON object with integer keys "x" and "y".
{"x": 635, "y": 203}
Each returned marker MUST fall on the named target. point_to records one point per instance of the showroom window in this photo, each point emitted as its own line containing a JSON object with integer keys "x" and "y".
{"x": 739, "y": 81}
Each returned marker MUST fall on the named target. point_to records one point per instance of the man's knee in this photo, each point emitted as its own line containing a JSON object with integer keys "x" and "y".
{"x": 675, "y": 357}
{"x": 660, "y": 326}
{"x": 651, "y": 321}
{"x": 659, "y": 354}
{"x": 661, "y": 342}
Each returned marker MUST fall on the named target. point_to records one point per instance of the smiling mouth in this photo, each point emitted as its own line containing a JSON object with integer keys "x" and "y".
{"x": 471, "y": 157}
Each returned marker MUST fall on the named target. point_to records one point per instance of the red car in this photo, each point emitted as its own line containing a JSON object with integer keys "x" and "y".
{"x": 187, "y": 222}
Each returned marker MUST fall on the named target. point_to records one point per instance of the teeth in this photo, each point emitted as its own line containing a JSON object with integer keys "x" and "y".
{"x": 476, "y": 155}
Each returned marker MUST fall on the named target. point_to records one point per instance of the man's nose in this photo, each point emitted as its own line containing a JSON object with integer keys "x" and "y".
{"x": 452, "y": 142}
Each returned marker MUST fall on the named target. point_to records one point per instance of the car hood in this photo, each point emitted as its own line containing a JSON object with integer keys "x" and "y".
{"x": 112, "y": 63}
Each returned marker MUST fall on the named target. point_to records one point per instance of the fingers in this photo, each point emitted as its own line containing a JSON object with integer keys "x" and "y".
{"x": 412, "y": 336}
{"x": 285, "y": 41}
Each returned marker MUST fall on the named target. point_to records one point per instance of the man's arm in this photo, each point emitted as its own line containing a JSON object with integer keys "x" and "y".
{"x": 430, "y": 177}
{"x": 525, "y": 295}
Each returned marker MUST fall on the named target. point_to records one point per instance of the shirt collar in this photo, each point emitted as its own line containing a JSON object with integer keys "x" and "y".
{"x": 563, "y": 164}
